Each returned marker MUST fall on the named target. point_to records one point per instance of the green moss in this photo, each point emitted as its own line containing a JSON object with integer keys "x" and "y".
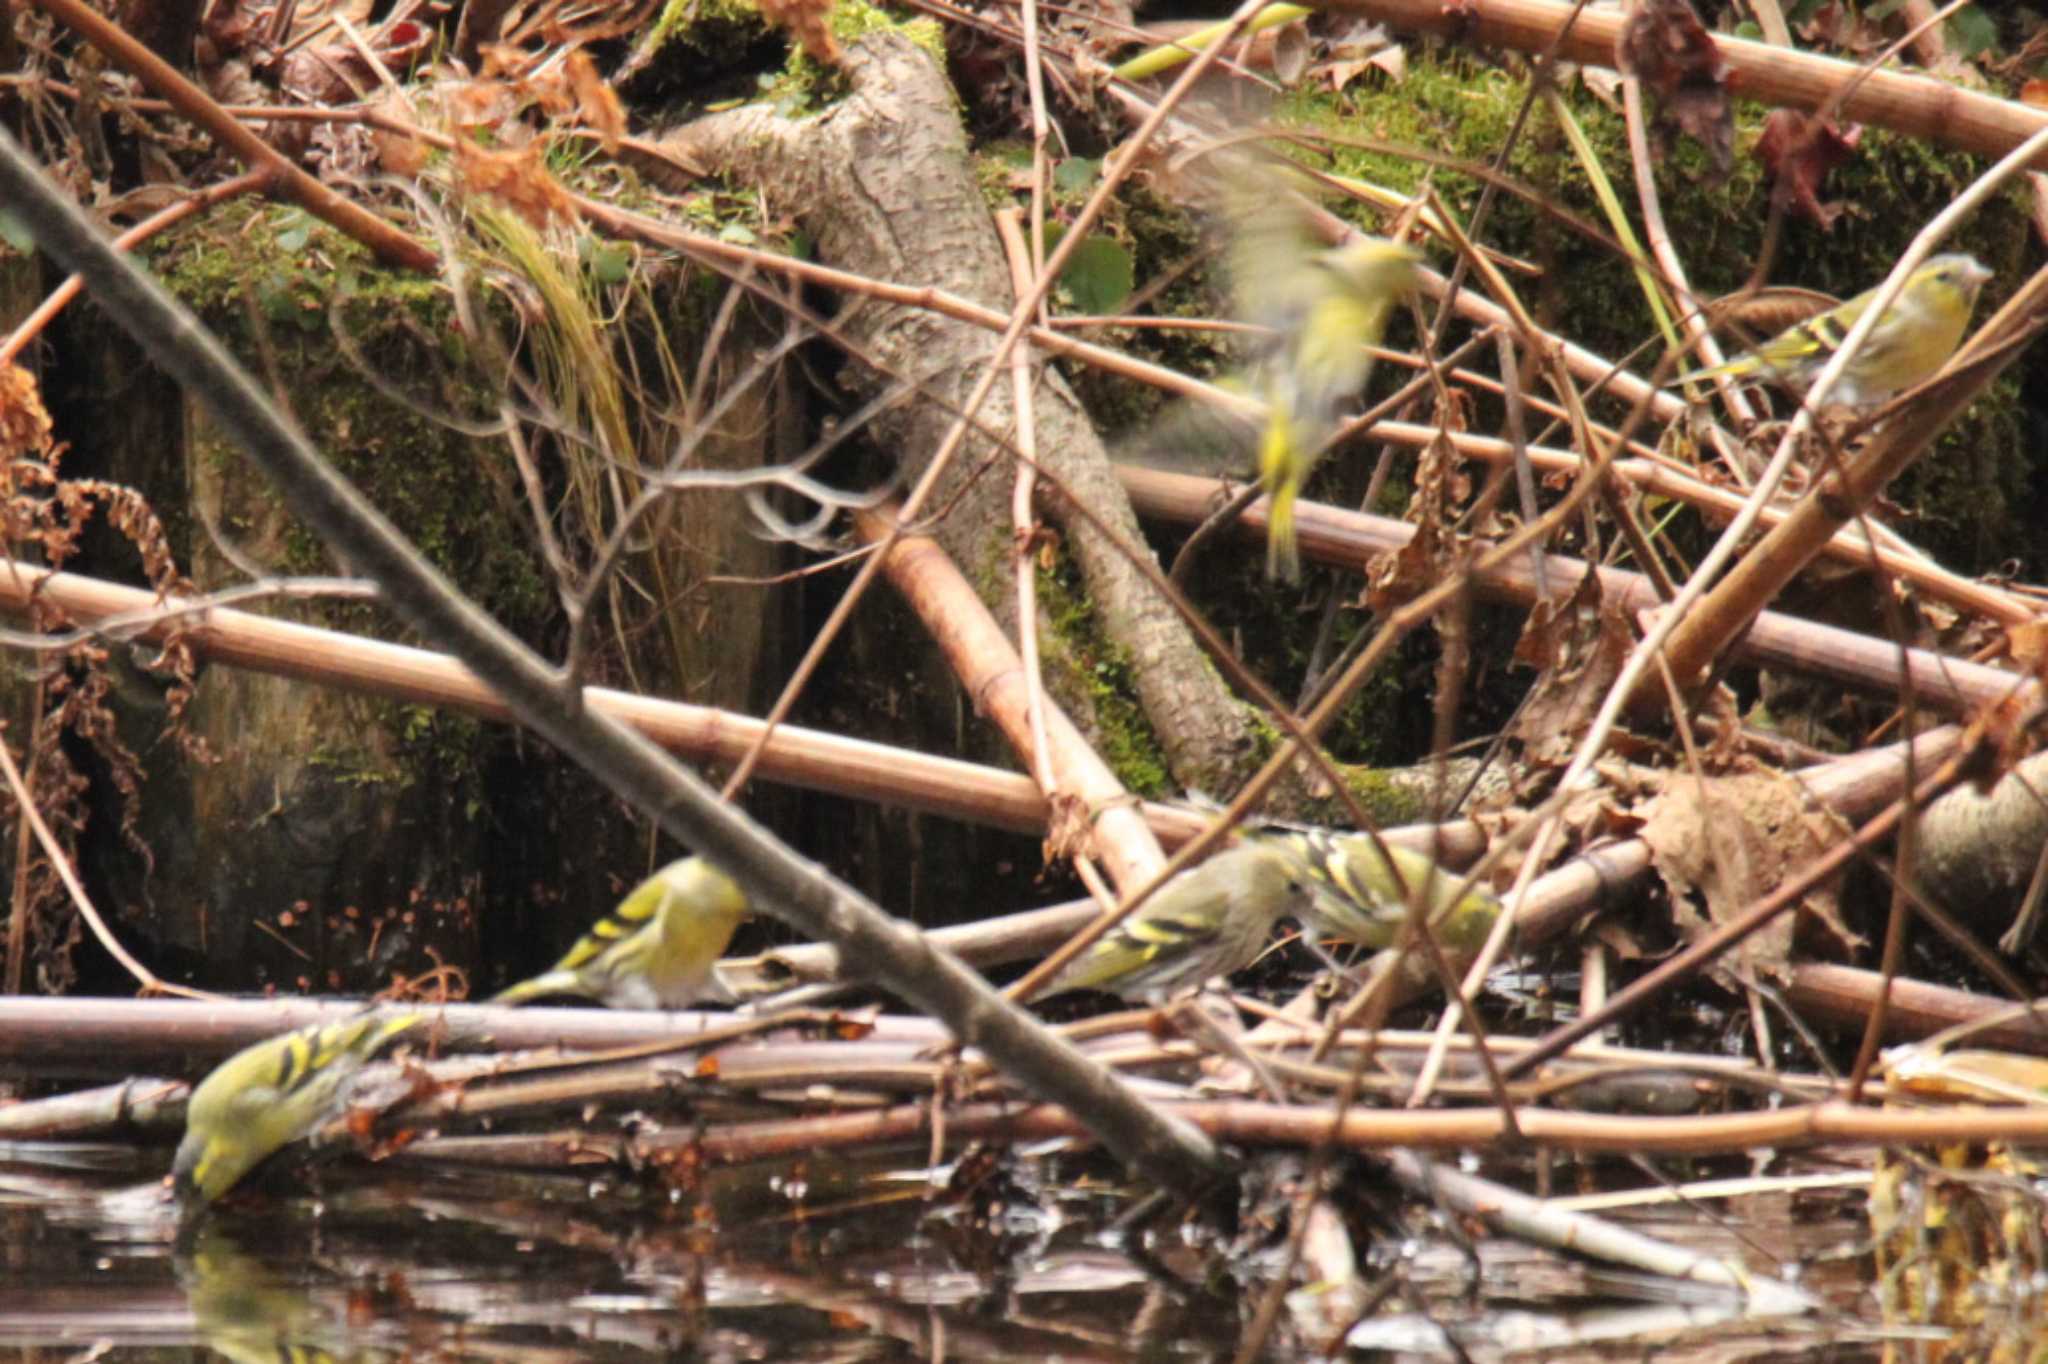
{"x": 996, "y": 168}
{"x": 1972, "y": 502}
{"x": 804, "y": 85}
{"x": 1460, "y": 112}
{"x": 1079, "y": 662}
{"x": 266, "y": 280}
{"x": 446, "y": 744}
{"x": 354, "y": 768}
{"x": 1388, "y": 801}
{"x": 267, "y": 286}
{"x": 728, "y": 36}
{"x": 852, "y": 20}
{"x": 704, "y": 27}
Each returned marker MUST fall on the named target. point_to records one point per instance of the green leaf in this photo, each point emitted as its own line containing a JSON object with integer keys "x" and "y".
{"x": 1971, "y": 31}
{"x": 1075, "y": 174}
{"x": 15, "y": 233}
{"x": 607, "y": 262}
{"x": 296, "y": 232}
{"x": 1098, "y": 276}
{"x": 274, "y": 296}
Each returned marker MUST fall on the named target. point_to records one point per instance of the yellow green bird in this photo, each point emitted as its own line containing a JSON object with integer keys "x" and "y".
{"x": 1323, "y": 309}
{"x": 1209, "y": 921}
{"x": 656, "y": 950}
{"x": 270, "y": 1094}
{"x": 1914, "y": 338}
{"x": 1362, "y": 887}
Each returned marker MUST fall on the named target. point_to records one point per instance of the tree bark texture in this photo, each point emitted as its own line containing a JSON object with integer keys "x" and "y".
{"x": 884, "y": 183}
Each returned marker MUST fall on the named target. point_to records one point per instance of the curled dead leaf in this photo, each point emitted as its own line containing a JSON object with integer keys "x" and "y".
{"x": 1732, "y": 840}
{"x": 1578, "y": 645}
{"x": 597, "y": 104}
{"x": 24, "y": 422}
{"x": 1664, "y": 45}
{"x": 1799, "y": 149}
{"x": 516, "y": 179}
{"x": 398, "y": 153}
{"x": 1766, "y": 312}
{"x": 810, "y": 22}
{"x": 2028, "y": 646}
{"x": 1069, "y": 832}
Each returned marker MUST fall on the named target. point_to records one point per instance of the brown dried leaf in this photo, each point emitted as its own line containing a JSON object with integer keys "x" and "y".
{"x": 1591, "y": 814}
{"x": 1968, "y": 1075}
{"x": 597, "y": 104}
{"x": 309, "y": 16}
{"x": 2028, "y": 645}
{"x": 399, "y": 45}
{"x": 1725, "y": 752}
{"x": 1440, "y": 483}
{"x": 1394, "y": 578}
{"x": 1733, "y": 840}
{"x": 398, "y": 153}
{"x": 810, "y": 21}
{"x": 2004, "y": 736}
{"x": 227, "y": 29}
{"x": 337, "y": 73}
{"x": 468, "y": 106}
{"x": 1842, "y": 28}
{"x": 1291, "y": 48}
{"x": 1664, "y": 45}
{"x": 1799, "y": 150}
{"x": 1069, "y": 832}
{"x": 1578, "y": 646}
{"x": 1335, "y": 75}
{"x": 515, "y": 178}
{"x": 1766, "y": 312}
{"x": 502, "y": 61}
{"x": 24, "y": 422}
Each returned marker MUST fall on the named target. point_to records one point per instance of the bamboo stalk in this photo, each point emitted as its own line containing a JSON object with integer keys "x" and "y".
{"x": 1917, "y": 105}
{"x": 1776, "y": 640}
{"x": 797, "y": 756}
{"x": 1254, "y": 1123}
{"x": 988, "y": 667}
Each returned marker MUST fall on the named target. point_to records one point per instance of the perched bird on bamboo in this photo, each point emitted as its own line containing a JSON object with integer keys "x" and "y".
{"x": 1361, "y": 888}
{"x": 273, "y": 1093}
{"x": 656, "y": 950}
{"x": 1323, "y": 309}
{"x": 1911, "y": 340}
{"x": 1209, "y": 921}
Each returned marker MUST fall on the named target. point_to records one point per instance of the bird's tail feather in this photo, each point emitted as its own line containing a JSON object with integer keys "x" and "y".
{"x": 1283, "y": 555}
{"x": 540, "y": 987}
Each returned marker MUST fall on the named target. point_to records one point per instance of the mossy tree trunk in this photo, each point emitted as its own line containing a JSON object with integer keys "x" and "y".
{"x": 335, "y": 840}
{"x": 884, "y": 183}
